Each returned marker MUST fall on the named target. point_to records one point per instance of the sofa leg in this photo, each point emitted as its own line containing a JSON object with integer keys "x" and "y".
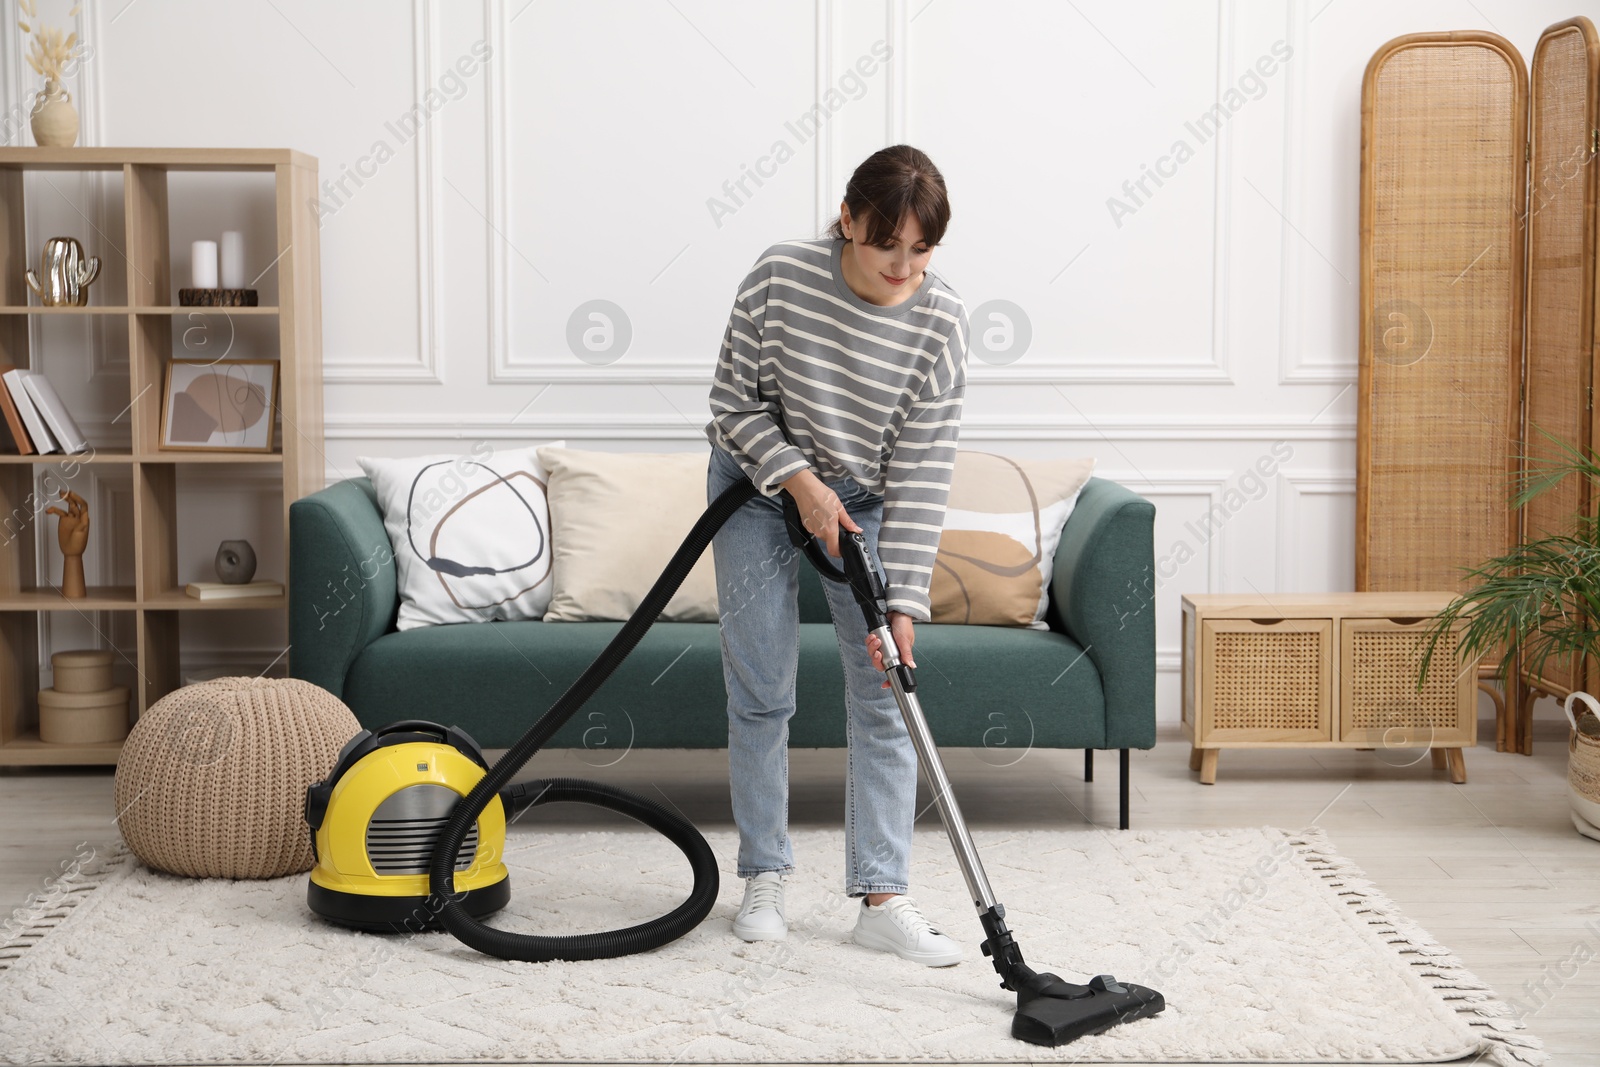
{"x": 1088, "y": 764}
{"x": 1124, "y": 819}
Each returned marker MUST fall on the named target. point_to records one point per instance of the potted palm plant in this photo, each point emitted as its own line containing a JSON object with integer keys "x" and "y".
{"x": 1542, "y": 599}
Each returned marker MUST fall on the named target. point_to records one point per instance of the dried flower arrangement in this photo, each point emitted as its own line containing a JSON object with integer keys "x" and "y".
{"x": 50, "y": 51}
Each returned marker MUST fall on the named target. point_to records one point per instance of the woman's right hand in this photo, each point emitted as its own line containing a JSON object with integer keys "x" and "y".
{"x": 820, "y": 509}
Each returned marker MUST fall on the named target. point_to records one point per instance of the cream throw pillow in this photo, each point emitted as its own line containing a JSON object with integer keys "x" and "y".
{"x": 1001, "y": 528}
{"x": 617, "y": 519}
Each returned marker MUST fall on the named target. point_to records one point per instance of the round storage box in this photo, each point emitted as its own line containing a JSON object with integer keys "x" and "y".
{"x": 83, "y": 718}
{"x": 211, "y": 782}
{"x": 85, "y": 671}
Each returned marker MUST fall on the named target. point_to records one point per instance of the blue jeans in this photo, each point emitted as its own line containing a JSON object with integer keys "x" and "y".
{"x": 757, "y": 588}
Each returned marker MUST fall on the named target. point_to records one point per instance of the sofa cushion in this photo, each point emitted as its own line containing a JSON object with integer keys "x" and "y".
{"x": 618, "y": 518}
{"x": 470, "y": 534}
{"x": 813, "y": 597}
{"x": 1004, "y": 690}
{"x": 997, "y": 550}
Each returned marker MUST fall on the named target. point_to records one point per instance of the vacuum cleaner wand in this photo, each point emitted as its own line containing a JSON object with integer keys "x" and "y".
{"x": 1050, "y": 1010}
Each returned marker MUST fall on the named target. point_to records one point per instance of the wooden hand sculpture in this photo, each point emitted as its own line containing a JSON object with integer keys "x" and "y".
{"x": 72, "y": 533}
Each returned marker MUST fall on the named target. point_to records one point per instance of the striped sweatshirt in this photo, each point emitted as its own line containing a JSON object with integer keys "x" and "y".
{"x": 811, "y": 375}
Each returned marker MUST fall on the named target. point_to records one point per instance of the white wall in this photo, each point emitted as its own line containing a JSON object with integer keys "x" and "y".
{"x": 1208, "y": 325}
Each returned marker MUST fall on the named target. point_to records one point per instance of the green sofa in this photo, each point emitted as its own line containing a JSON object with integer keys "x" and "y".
{"x": 1088, "y": 682}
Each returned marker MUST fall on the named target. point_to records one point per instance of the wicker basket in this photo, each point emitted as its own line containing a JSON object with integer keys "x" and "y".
{"x": 1583, "y": 765}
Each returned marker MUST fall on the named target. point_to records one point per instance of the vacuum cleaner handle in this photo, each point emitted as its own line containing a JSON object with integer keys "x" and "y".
{"x": 413, "y": 726}
{"x": 802, "y": 539}
{"x": 423, "y": 729}
{"x": 860, "y": 573}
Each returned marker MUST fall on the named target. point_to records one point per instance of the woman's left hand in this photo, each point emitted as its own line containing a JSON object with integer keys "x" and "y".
{"x": 900, "y": 628}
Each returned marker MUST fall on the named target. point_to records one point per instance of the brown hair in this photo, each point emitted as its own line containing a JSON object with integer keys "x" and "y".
{"x": 889, "y": 183}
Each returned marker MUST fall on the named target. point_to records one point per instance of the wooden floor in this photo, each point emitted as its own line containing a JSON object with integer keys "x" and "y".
{"x": 1493, "y": 869}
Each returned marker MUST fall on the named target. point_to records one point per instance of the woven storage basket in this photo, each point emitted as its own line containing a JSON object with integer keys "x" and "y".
{"x": 1583, "y": 766}
{"x": 212, "y": 779}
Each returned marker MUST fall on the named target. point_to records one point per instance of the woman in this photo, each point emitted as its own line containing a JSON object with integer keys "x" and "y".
{"x": 841, "y": 381}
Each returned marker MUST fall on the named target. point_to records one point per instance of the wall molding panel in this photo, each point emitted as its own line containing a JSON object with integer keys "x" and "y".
{"x": 1298, "y": 362}
{"x": 424, "y": 366}
{"x": 1293, "y": 486}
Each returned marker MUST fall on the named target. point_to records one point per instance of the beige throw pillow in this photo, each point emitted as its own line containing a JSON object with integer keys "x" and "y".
{"x": 1001, "y": 528}
{"x": 616, "y": 520}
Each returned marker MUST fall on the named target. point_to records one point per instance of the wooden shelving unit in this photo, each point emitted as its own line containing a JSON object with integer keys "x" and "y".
{"x": 156, "y": 600}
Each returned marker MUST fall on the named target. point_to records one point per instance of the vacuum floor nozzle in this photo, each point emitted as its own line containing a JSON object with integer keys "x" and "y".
{"x": 1064, "y": 1011}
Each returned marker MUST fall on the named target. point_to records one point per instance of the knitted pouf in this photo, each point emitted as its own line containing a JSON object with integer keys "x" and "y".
{"x": 211, "y": 782}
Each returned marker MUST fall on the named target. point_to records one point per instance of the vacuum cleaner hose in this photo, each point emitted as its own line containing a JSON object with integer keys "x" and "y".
{"x": 604, "y": 945}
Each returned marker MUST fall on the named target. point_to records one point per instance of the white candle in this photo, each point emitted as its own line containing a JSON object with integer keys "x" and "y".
{"x": 232, "y": 259}
{"x": 204, "y": 260}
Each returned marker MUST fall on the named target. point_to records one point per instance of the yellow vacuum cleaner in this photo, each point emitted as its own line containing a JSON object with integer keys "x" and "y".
{"x": 375, "y": 819}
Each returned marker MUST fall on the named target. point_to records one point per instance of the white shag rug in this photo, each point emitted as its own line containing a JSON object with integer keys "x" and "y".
{"x": 1267, "y": 945}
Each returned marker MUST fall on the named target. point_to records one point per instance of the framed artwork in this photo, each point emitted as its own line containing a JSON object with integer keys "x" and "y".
{"x": 219, "y": 405}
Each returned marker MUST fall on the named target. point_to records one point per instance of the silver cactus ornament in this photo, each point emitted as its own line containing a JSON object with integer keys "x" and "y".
{"x": 65, "y": 272}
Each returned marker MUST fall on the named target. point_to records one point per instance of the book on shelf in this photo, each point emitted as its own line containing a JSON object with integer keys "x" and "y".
{"x": 37, "y": 433}
{"x": 232, "y": 591}
{"x": 13, "y": 417}
{"x": 48, "y": 402}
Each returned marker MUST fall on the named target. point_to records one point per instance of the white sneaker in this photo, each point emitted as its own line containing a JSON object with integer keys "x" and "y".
{"x": 898, "y": 926}
{"x": 761, "y": 916}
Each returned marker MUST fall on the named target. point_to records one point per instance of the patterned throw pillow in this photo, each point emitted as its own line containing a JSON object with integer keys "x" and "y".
{"x": 470, "y": 534}
{"x": 1001, "y": 528}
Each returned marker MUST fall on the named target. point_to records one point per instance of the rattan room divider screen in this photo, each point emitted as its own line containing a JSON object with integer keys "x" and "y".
{"x": 1478, "y": 302}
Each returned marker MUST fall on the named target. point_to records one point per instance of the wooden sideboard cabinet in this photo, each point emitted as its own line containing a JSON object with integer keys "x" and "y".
{"x": 1324, "y": 670}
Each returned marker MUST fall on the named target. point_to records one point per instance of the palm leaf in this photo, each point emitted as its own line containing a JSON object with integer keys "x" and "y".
{"x": 1541, "y": 598}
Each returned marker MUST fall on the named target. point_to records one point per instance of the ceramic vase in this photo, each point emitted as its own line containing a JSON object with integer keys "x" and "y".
{"x": 55, "y": 120}
{"x": 236, "y": 562}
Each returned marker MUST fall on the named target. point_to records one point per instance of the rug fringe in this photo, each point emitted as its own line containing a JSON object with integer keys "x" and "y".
{"x": 47, "y": 908}
{"x": 1479, "y": 1006}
